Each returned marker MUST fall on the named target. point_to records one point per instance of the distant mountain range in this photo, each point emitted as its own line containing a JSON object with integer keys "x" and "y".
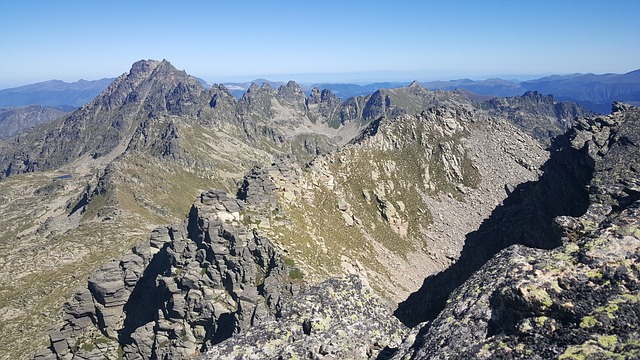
{"x": 54, "y": 93}
{"x": 443, "y": 205}
{"x": 16, "y": 120}
{"x": 594, "y": 92}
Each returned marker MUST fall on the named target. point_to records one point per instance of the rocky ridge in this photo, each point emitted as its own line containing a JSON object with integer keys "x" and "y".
{"x": 402, "y": 195}
{"x": 543, "y": 117}
{"x": 336, "y": 319}
{"x": 566, "y": 290}
{"x": 263, "y": 213}
{"x": 156, "y": 138}
{"x": 194, "y": 284}
{"x": 578, "y": 300}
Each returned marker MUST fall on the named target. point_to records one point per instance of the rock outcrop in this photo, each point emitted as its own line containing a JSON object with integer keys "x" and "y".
{"x": 336, "y": 319}
{"x": 578, "y": 300}
{"x": 93, "y": 317}
{"x": 195, "y": 284}
{"x": 543, "y": 117}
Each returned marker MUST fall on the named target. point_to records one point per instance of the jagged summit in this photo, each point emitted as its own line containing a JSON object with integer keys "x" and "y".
{"x": 542, "y": 116}
{"x": 104, "y": 126}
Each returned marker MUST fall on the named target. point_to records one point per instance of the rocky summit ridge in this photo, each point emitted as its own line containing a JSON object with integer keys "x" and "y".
{"x": 328, "y": 215}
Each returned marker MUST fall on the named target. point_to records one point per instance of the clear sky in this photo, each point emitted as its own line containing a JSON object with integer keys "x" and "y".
{"x": 223, "y": 40}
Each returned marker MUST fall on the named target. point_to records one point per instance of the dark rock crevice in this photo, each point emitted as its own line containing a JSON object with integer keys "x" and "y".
{"x": 145, "y": 297}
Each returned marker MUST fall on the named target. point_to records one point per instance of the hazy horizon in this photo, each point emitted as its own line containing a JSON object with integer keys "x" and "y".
{"x": 331, "y": 78}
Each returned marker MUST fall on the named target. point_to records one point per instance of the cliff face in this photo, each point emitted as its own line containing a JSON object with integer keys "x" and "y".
{"x": 577, "y": 300}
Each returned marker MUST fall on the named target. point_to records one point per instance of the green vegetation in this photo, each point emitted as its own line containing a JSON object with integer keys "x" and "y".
{"x": 607, "y": 341}
{"x": 296, "y": 274}
{"x": 588, "y": 322}
{"x": 384, "y": 181}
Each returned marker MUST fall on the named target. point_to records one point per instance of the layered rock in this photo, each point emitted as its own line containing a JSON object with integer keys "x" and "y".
{"x": 195, "y": 284}
{"x": 95, "y": 315}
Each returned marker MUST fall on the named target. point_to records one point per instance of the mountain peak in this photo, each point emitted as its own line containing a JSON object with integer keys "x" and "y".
{"x": 291, "y": 88}
{"x": 144, "y": 69}
{"x": 292, "y": 83}
{"x": 144, "y": 66}
{"x": 252, "y": 88}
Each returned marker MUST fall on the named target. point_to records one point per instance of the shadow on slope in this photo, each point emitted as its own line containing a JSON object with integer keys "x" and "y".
{"x": 525, "y": 217}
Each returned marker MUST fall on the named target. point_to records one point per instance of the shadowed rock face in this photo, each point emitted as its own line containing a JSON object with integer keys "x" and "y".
{"x": 578, "y": 299}
{"x": 194, "y": 284}
{"x": 525, "y": 217}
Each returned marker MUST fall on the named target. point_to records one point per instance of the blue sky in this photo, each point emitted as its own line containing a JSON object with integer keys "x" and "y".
{"x": 318, "y": 41}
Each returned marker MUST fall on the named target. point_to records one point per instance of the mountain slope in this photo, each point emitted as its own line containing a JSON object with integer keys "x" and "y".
{"x": 542, "y": 117}
{"x": 132, "y": 159}
{"x": 578, "y": 300}
{"x": 103, "y": 188}
{"x": 16, "y": 120}
{"x": 387, "y": 203}
{"x": 103, "y": 126}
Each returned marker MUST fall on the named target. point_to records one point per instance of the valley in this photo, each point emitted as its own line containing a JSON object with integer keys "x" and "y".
{"x": 164, "y": 219}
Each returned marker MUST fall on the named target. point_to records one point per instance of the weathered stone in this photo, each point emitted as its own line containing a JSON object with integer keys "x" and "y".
{"x": 107, "y": 285}
{"x": 81, "y": 304}
{"x": 343, "y": 205}
{"x": 159, "y": 237}
{"x": 348, "y": 219}
{"x": 339, "y": 317}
